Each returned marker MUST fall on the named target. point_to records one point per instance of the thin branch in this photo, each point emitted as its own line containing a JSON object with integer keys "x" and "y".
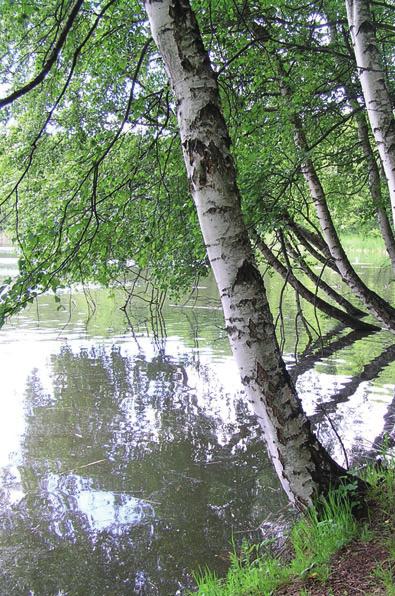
{"x": 337, "y": 436}
{"x": 57, "y": 102}
{"x": 49, "y": 63}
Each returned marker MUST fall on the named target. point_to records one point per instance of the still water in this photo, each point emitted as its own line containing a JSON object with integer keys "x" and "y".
{"x": 128, "y": 455}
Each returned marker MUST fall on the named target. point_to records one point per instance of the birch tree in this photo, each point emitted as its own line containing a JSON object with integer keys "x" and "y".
{"x": 353, "y": 92}
{"x": 373, "y": 83}
{"x": 302, "y": 464}
{"x": 378, "y": 307}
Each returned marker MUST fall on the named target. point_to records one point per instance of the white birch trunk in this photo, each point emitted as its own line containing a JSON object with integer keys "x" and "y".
{"x": 303, "y": 466}
{"x": 374, "y": 181}
{"x": 374, "y": 88}
{"x": 375, "y": 188}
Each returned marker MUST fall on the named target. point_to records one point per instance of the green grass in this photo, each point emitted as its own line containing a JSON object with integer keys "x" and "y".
{"x": 385, "y": 576}
{"x": 313, "y": 540}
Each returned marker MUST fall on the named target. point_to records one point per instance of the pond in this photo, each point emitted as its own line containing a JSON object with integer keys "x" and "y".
{"x": 129, "y": 457}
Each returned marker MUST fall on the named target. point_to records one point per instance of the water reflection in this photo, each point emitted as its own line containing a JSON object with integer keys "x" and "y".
{"x": 348, "y": 395}
{"x": 123, "y": 471}
{"x": 126, "y": 463}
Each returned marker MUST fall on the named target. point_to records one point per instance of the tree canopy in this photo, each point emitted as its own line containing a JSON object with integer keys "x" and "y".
{"x": 92, "y": 182}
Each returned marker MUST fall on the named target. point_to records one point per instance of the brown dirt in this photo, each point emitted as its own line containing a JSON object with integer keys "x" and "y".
{"x": 352, "y": 568}
{"x": 351, "y": 573}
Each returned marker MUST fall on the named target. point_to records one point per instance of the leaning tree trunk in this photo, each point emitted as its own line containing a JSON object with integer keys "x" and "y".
{"x": 320, "y": 283}
{"x": 325, "y": 307}
{"x": 374, "y": 88}
{"x": 378, "y": 307}
{"x": 302, "y": 464}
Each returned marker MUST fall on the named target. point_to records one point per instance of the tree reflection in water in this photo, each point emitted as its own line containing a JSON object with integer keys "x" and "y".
{"x": 129, "y": 478}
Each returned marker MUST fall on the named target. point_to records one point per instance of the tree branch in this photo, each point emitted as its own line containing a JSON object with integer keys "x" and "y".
{"x": 49, "y": 63}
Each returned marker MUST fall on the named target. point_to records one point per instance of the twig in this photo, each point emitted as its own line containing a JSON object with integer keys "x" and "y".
{"x": 337, "y": 436}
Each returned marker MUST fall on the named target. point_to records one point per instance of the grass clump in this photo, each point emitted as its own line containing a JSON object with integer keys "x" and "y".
{"x": 313, "y": 541}
{"x": 314, "y": 538}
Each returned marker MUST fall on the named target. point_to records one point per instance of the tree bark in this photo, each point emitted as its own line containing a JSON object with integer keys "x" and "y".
{"x": 374, "y": 88}
{"x": 353, "y": 90}
{"x": 302, "y": 464}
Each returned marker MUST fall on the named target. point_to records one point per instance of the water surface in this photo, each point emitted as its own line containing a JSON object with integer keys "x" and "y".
{"x": 129, "y": 459}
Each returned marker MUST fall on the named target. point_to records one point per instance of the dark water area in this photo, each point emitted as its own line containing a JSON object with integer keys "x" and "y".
{"x": 129, "y": 458}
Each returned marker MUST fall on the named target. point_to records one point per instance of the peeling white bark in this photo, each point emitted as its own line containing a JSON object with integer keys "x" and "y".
{"x": 374, "y": 88}
{"x": 303, "y": 466}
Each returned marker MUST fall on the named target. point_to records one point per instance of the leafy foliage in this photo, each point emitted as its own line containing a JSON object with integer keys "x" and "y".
{"x": 92, "y": 181}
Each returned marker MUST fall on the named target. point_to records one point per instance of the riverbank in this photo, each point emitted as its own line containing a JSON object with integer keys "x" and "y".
{"x": 328, "y": 554}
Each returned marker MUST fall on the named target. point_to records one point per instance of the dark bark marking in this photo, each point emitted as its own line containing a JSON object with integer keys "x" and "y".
{"x": 273, "y": 385}
{"x": 251, "y": 302}
{"x": 220, "y": 210}
{"x": 176, "y": 11}
{"x": 193, "y": 147}
{"x": 212, "y": 160}
{"x": 211, "y": 113}
{"x": 186, "y": 26}
{"x": 235, "y": 320}
{"x": 261, "y": 374}
{"x": 252, "y": 329}
{"x": 201, "y": 176}
{"x": 366, "y": 27}
{"x": 232, "y": 330}
{"x": 187, "y": 64}
{"x": 216, "y": 159}
{"x": 246, "y": 274}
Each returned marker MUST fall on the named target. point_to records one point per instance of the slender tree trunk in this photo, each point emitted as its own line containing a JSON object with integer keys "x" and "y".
{"x": 324, "y": 260}
{"x": 378, "y": 307}
{"x": 374, "y": 181}
{"x": 320, "y": 283}
{"x": 374, "y": 88}
{"x": 375, "y": 188}
{"x": 325, "y": 307}
{"x": 302, "y": 464}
